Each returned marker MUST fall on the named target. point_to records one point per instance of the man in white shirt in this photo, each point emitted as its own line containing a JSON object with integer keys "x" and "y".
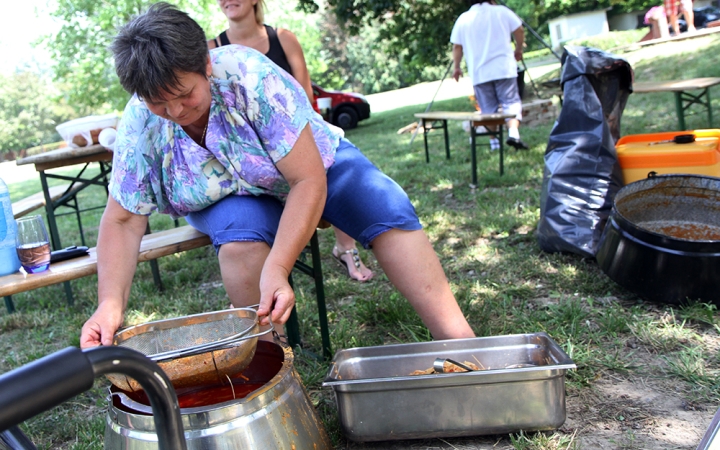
{"x": 482, "y": 34}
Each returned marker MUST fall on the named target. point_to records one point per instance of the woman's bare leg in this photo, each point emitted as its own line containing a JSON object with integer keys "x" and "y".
{"x": 410, "y": 262}
{"x": 343, "y": 243}
{"x": 689, "y": 16}
{"x": 240, "y": 266}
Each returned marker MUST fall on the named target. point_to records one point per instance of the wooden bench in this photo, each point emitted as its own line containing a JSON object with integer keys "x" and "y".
{"x": 36, "y": 201}
{"x": 683, "y": 97}
{"x": 154, "y": 246}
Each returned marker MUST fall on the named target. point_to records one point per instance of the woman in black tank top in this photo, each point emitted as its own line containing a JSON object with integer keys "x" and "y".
{"x": 245, "y": 20}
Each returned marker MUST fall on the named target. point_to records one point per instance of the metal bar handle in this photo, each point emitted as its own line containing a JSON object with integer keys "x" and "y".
{"x": 49, "y": 381}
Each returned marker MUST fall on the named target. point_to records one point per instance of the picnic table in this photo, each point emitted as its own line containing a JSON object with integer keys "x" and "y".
{"x": 79, "y": 181}
{"x": 438, "y": 120}
{"x": 683, "y": 97}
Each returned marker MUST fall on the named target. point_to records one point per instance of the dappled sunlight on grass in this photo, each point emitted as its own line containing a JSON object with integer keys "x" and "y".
{"x": 485, "y": 237}
{"x": 665, "y": 334}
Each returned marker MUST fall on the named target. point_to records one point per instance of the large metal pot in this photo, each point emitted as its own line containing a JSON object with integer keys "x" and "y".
{"x": 662, "y": 240}
{"x": 276, "y": 415}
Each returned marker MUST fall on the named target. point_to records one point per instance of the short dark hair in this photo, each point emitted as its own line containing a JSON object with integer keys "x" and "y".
{"x": 152, "y": 48}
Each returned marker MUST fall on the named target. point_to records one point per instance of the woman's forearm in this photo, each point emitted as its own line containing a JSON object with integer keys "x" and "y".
{"x": 299, "y": 219}
{"x": 305, "y": 173}
{"x": 117, "y": 251}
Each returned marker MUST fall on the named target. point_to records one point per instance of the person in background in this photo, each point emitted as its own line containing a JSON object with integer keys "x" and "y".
{"x": 482, "y": 35}
{"x": 230, "y": 141}
{"x": 656, "y": 18}
{"x": 246, "y": 27}
{"x": 672, "y": 8}
{"x": 688, "y": 14}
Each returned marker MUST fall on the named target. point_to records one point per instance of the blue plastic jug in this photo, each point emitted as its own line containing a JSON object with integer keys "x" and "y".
{"x": 9, "y": 262}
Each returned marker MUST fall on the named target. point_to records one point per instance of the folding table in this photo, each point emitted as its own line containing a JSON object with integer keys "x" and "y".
{"x": 438, "y": 120}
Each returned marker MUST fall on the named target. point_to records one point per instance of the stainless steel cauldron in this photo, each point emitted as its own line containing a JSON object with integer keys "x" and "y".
{"x": 277, "y": 415}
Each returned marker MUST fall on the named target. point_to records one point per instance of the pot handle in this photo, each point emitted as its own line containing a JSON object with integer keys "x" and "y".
{"x": 43, "y": 384}
{"x": 49, "y": 381}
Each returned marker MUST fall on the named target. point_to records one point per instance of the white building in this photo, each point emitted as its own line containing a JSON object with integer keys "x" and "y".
{"x": 578, "y": 25}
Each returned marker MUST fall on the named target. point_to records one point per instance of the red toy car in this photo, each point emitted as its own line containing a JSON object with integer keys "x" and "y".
{"x": 347, "y": 108}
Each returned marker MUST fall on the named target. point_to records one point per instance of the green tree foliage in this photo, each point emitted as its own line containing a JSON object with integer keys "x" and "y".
{"x": 82, "y": 59}
{"x": 284, "y": 14}
{"x": 416, "y": 33}
{"x": 28, "y": 115}
{"x": 338, "y": 60}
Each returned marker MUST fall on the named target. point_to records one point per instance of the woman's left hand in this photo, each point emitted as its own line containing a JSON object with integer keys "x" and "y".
{"x": 276, "y": 296}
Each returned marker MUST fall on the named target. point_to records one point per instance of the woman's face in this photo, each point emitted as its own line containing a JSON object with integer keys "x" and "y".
{"x": 185, "y": 105}
{"x": 237, "y": 9}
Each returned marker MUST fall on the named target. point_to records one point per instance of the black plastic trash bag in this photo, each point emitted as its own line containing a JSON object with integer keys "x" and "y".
{"x": 582, "y": 173}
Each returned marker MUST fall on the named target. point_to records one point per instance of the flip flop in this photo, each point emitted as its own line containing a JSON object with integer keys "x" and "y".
{"x": 355, "y": 255}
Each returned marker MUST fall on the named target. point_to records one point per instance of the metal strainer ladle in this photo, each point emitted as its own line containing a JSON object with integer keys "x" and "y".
{"x": 439, "y": 365}
{"x": 194, "y": 350}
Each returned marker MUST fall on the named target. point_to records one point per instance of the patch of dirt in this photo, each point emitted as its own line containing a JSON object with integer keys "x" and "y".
{"x": 635, "y": 414}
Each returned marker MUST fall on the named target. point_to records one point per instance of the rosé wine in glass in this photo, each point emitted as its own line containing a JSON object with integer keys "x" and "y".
{"x": 33, "y": 244}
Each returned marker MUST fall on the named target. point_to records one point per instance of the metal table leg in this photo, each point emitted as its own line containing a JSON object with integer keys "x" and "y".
{"x": 425, "y": 132}
{"x": 684, "y": 100}
{"x": 54, "y": 233}
{"x": 320, "y": 295}
{"x": 9, "y": 305}
{"x": 447, "y": 140}
{"x": 50, "y": 211}
{"x": 154, "y": 268}
{"x": 709, "y": 107}
{"x": 292, "y": 326}
{"x": 473, "y": 154}
{"x": 680, "y": 110}
{"x": 500, "y": 134}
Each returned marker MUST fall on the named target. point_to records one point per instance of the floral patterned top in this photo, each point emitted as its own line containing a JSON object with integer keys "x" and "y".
{"x": 256, "y": 115}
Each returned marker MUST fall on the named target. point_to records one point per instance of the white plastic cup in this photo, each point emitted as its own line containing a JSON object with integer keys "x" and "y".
{"x": 106, "y": 138}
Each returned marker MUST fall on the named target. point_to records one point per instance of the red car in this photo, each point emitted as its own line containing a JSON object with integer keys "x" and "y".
{"x": 347, "y": 108}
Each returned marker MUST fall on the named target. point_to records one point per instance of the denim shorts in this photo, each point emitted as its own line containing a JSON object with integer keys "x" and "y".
{"x": 362, "y": 201}
{"x": 503, "y": 92}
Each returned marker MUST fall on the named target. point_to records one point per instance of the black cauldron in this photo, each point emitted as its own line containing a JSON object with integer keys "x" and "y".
{"x": 662, "y": 240}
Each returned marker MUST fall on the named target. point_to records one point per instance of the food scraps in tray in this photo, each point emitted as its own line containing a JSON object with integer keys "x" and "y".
{"x": 449, "y": 367}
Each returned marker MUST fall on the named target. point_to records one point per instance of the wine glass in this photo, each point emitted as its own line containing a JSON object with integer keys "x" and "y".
{"x": 32, "y": 244}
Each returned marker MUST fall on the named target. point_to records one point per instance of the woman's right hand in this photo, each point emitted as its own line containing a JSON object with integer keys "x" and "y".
{"x": 117, "y": 252}
{"x": 100, "y": 328}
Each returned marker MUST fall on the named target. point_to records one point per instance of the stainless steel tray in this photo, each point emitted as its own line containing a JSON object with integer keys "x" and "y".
{"x": 522, "y": 388}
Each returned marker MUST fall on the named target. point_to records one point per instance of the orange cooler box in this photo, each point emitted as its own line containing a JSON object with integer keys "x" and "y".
{"x": 639, "y": 154}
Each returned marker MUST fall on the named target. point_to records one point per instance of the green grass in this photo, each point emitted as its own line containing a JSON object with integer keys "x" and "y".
{"x": 485, "y": 239}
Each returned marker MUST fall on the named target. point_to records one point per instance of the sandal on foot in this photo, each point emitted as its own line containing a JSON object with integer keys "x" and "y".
{"x": 355, "y": 256}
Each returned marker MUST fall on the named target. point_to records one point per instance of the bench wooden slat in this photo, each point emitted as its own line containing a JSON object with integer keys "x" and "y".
{"x": 29, "y": 204}
{"x": 176, "y": 240}
{"x": 153, "y": 246}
